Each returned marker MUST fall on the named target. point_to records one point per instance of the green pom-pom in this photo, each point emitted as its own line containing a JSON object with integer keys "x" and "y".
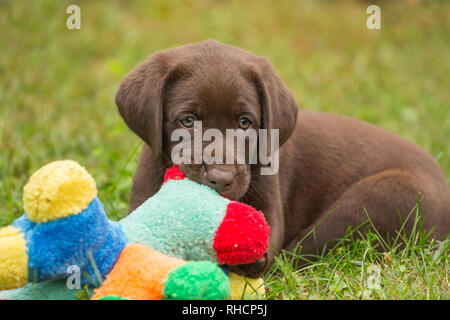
{"x": 197, "y": 280}
{"x": 113, "y": 298}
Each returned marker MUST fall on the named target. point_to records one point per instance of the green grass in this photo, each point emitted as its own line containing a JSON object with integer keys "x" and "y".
{"x": 365, "y": 266}
{"x": 57, "y": 91}
{"x": 348, "y": 271}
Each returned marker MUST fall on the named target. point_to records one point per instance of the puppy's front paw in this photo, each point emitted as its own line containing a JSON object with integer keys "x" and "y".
{"x": 252, "y": 270}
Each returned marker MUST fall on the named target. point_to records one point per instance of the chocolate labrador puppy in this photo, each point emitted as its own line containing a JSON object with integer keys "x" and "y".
{"x": 334, "y": 171}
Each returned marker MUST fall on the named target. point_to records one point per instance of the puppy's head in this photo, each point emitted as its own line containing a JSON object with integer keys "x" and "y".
{"x": 222, "y": 86}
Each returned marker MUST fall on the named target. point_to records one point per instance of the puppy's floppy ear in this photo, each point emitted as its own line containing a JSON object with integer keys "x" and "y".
{"x": 279, "y": 109}
{"x": 140, "y": 98}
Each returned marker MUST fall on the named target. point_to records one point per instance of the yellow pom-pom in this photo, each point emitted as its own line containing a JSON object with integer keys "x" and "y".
{"x": 13, "y": 259}
{"x": 245, "y": 288}
{"x": 57, "y": 190}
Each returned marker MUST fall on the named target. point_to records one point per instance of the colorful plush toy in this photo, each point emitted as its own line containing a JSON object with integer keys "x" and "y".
{"x": 143, "y": 256}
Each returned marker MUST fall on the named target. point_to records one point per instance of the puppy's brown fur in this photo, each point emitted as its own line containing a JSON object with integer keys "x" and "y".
{"x": 334, "y": 171}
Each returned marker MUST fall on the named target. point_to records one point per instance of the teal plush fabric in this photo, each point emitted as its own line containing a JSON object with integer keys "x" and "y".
{"x": 47, "y": 290}
{"x": 180, "y": 220}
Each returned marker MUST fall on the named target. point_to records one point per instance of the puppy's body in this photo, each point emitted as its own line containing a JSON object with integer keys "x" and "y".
{"x": 334, "y": 171}
{"x": 343, "y": 168}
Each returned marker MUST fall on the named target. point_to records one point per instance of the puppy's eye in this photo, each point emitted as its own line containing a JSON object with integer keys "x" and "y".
{"x": 244, "y": 123}
{"x": 188, "y": 122}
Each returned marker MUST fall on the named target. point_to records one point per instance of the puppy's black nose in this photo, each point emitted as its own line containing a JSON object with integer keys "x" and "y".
{"x": 219, "y": 179}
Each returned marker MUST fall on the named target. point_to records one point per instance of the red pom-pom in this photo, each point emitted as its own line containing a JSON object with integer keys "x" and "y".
{"x": 174, "y": 173}
{"x": 243, "y": 236}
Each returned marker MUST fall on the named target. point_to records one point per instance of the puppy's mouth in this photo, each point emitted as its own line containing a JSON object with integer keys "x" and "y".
{"x": 235, "y": 191}
{"x": 234, "y": 194}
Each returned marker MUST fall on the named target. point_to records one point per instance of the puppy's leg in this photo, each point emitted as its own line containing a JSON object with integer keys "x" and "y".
{"x": 384, "y": 198}
{"x": 257, "y": 268}
{"x": 148, "y": 178}
{"x": 270, "y": 205}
